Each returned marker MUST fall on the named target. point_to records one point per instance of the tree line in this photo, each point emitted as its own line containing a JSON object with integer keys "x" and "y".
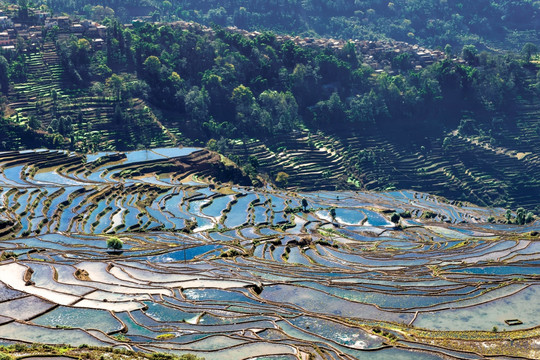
{"x": 505, "y": 24}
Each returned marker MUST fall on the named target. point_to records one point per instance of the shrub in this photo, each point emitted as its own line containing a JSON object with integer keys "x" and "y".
{"x": 114, "y": 243}
{"x": 405, "y": 214}
{"x": 282, "y": 178}
{"x": 333, "y": 213}
{"x": 8, "y": 255}
{"x": 162, "y": 356}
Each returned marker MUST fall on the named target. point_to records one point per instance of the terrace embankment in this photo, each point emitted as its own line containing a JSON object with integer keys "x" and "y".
{"x": 457, "y": 166}
{"x": 202, "y": 163}
{"x": 47, "y": 97}
{"x": 232, "y": 272}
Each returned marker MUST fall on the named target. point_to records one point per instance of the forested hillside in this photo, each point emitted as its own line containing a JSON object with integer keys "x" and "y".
{"x": 506, "y": 24}
{"x": 225, "y": 84}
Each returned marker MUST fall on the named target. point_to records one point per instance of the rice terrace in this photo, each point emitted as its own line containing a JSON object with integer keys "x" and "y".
{"x": 105, "y": 251}
{"x": 269, "y": 179}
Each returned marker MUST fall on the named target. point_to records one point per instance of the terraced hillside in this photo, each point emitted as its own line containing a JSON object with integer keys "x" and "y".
{"x": 461, "y": 167}
{"x": 48, "y": 97}
{"x": 495, "y": 164}
{"x": 232, "y": 272}
{"x": 308, "y": 163}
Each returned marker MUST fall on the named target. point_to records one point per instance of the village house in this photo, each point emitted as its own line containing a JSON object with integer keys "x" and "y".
{"x": 5, "y": 39}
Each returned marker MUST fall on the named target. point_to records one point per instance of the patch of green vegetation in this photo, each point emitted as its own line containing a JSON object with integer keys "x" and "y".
{"x": 6, "y": 254}
{"x": 522, "y": 217}
{"x": 85, "y": 352}
{"x": 114, "y": 243}
{"x": 121, "y": 337}
{"x": 232, "y": 253}
{"x": 63, "y": 327}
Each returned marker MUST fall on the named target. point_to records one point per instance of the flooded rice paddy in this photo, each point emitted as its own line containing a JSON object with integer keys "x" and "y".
{"x": 242, "y": 273}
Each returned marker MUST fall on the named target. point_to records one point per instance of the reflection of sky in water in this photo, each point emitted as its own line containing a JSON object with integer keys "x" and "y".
{"x": 374, "y": 265}
{"x": 189, "y": 253}
{"x": 523, "y": 306}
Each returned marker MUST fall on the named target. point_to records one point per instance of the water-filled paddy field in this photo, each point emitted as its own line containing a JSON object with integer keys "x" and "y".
{"x": 242, "y": 273}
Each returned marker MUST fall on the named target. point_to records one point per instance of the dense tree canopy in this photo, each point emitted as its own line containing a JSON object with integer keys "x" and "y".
{"x": 226, "y": 84}
{"x": 494, "y": 23}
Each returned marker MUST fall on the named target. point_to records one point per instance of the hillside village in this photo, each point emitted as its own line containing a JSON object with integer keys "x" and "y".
{"x": 373, "y": 52}
{"x": 28, "y": 35}
{"x": 370, "y": 50}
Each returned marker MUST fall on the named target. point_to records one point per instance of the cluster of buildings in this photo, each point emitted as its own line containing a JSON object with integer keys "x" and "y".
{"x": 373, "y": 52}
{"x": 376, "y": 54}
{"x": 15, "y": 33}
{"x": 419, "y": 56}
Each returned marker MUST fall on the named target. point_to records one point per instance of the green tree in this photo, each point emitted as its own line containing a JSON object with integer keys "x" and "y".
{"x": 152, "y": 66}
{"x": 469, "y": 53}
{"x": 244, "y": 100}
{"x": 166, "y": 6}
{"x": 34, "y": 123}
{"x": 242, "y": 96}
{"x": 520, "y": 216}
{"x": 523, "y": 217}
{"x": 348, "y": 53}
{"x": 196, "y": 103}
{"x": 508, "y": 216}
{"x": 367, "y": 108}
{"x": 529, "y": 49}
{"x": 64, "y": 125}
{"x": 176, "y": 81}
{"x": 4, "y": 74}
{"x": 80, "y": 53}
{"x": 118, "y": 115}
{"x": 115, "y": 83}
{"x": 282, "y": 110}
{"x": 329, "y": 111}
{"x": 282, "y": 178}
{"x": 100, "y": 12}
{"x": 304, "y": 205}
{"x": 448, "y": 50}
{"x": 333, "y": 214}
{"x": 114, "y": 243}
